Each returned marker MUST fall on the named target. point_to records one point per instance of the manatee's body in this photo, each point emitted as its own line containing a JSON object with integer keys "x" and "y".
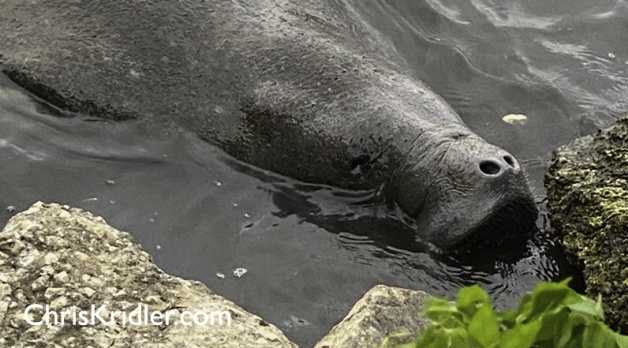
{"x": 304, "y": 88}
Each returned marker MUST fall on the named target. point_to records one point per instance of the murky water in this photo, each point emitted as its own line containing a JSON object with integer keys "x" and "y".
{"x": 311, "y": 251}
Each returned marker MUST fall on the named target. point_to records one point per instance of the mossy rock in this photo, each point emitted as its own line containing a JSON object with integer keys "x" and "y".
{"x": 587, "y": 187}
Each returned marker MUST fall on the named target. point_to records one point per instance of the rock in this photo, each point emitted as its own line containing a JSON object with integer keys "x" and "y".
{"x": 587, "y": 187}
{"x": 383, "y": 311}
{"x": 70, "y": 260}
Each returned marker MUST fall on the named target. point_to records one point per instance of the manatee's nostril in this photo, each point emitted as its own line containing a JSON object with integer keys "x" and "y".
{"x": 490, "y": 167}
{"x": 510, "y": 160}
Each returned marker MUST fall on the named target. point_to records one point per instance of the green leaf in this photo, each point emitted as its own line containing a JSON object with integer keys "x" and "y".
{"x": 622, "y": 341}
{"x": 459, "y": 337}
{"x": 589, "y": 308}
{"x": 563, "y": 329}
{"x": 548, "y": 297}
{"x": 442, "y": 338}
{"x": 550, "y": 324}
{"x": 521, "y": 336}
{"x": 396, "y": 336}
{"x": 484, "y": 326}
{"x": 553, "y": 315}
{"x": 598, "y": 335}
{"x": 433, "y": 337}
{"x": 578, "y": 319}
{"x": 519, "y": 314}
{"x": 598, "y": 306}
{"x": 529, "y": 304}
{"x": 407, "y": 345}
{"x": 442, "y": 311}
{"x": 470, "y": 298}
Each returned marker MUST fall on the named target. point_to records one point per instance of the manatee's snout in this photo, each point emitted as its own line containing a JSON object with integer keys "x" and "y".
{"x": 455, "y": 184}
{"x": 497, "y": 167}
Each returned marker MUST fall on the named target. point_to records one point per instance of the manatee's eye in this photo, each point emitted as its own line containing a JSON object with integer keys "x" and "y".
{"x": 457, "y": 136}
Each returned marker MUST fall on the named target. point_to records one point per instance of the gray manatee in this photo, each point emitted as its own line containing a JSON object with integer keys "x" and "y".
{"x": 304, "y": 88}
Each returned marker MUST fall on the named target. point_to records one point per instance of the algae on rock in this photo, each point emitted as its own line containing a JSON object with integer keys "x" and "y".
{"x": 587, "y": 187}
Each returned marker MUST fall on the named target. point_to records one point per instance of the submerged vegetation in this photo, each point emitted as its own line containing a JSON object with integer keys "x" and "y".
{"x": 553, "y": 315}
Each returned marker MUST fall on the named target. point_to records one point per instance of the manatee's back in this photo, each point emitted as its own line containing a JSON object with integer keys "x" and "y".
{"x": 304, "y": 88}
{"x": 322, "y": 82}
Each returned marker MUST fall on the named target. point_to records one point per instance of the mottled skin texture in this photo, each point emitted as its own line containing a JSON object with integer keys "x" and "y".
{"x": 303, "y": 88}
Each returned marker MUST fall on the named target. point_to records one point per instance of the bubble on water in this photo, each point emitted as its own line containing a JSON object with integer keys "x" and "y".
{"x": 247, "y": 215}
{"x": 220, "y": 275}
{"x": 158, "y": 247}
{"x": 11, "y": 209}
{"x": 217, "y": 183}
{"x": 611, "y": 55}
{"x": 111, "y": 182}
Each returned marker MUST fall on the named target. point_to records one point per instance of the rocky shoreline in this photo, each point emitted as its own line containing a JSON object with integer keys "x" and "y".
{"x": 68, "y": 259}
{"x": 62, "y": 257}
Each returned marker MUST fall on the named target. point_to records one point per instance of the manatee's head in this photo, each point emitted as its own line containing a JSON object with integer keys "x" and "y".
{"x": 459, "y": 187}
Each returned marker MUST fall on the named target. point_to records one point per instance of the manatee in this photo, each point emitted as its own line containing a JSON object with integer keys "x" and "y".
{"x": 306, "y": 88}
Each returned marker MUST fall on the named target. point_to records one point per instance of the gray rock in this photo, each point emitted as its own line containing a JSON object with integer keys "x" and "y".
{"x": 64, "y": 257}
{"x": 587, "y": 189}
{"x": 383, "y": 311}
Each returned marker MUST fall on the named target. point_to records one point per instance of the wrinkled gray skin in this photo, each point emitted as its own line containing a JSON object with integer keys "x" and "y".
{"x": 304, "y": 88}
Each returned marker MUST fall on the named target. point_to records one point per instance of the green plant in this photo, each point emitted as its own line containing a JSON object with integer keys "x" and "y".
{"x": 553, "y": 315}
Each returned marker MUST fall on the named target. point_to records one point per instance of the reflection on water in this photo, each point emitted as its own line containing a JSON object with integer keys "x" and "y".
{"x": 311, "y": 250}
